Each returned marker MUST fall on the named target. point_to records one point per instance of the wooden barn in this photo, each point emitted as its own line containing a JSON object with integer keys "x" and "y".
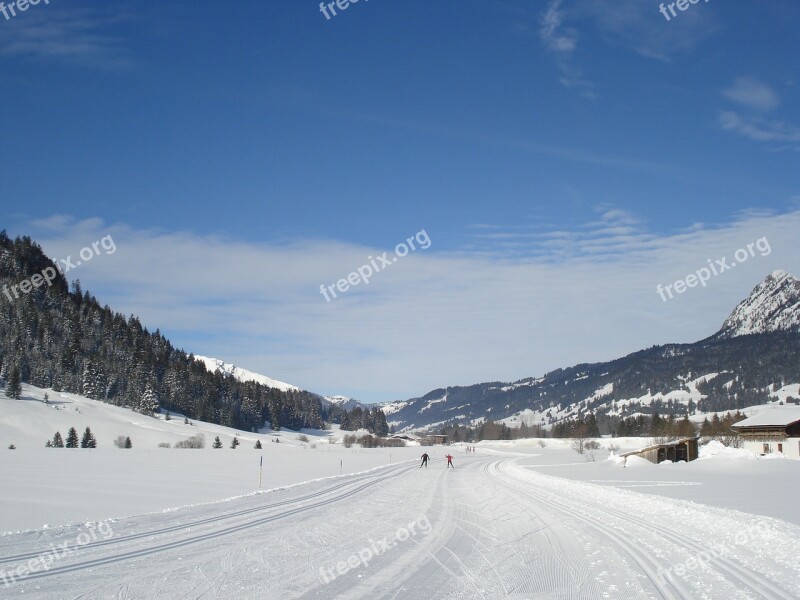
{"x": 675, "y": 451}
{"x": 435, "y": 440}
{"x": 776, "y": 429}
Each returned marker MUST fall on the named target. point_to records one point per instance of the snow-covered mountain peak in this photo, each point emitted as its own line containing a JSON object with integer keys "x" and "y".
{"x": 338, "y": 399}
{"x": 342, "y": 401}
{"x": 774, "y": 305}
{"x": 214, "y": 364}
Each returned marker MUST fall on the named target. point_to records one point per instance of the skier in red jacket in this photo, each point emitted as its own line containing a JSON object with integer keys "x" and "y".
{"x": 449, "y": 461}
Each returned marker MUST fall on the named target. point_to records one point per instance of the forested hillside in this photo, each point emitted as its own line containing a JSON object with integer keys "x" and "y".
{"x": 58, "y": 337}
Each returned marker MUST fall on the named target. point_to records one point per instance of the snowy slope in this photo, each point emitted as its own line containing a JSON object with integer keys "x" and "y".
{"x": 58, "y": 485}
{"x": 774, "y": 305}
{"x": 214, "y": 364}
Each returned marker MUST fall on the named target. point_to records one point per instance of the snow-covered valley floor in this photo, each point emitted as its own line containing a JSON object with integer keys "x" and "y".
{"x": 487, "y": 529}
{"x": 513, "y": 520}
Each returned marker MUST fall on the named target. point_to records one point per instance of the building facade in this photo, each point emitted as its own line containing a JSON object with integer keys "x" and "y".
{"x": 776, "y": 429}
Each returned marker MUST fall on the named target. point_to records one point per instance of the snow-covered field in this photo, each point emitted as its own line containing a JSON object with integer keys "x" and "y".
{"x": 512, "y": 520}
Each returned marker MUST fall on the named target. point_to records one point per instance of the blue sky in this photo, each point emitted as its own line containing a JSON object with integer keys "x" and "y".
{"x": 564, "y": 157}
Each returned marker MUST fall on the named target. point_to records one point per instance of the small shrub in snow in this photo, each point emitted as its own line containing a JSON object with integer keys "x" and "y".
{"x": 258, "y": 445}
{"x": 166, "y": 445}
{"x": 12, "y": 447}
{"x": 196, "y": 441}
{"x": 234, "y": 443}
{"x": 302, "y": 438}
{"x": 217, "y": 443}
{"x": 592, "y": 445}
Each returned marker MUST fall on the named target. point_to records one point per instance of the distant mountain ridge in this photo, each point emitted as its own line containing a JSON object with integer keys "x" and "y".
{"x": 342, "y": 402}
{"x": 753, "y": 358}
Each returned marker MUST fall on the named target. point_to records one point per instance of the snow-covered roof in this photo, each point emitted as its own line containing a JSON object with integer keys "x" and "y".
{"x": 777, "y": 416}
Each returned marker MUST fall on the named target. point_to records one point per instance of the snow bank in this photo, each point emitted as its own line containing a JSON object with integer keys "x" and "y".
{"x": 715, "y": 449}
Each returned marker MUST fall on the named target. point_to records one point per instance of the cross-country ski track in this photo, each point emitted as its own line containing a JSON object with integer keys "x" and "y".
{"x": 491, "y": 528}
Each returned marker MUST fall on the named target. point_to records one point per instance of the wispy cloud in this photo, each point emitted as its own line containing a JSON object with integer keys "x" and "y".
{"x": 436, "y": 318}
{"x": 759, "y": 98}
{"x": 631, "y": 24}
{"x": 562, "y": 41}
{"x": 759, "y": 129}
{"x": 752, "y": 93}
{"x": 638, "y": 26}
{"x": 68, "y": 35}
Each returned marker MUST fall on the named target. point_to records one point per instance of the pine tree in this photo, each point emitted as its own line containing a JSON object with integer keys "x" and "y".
{"x": 128, "y": 443}
{"x": 217, "y": 443}
{"x": 258, "y": 445}
{"x": 234, "y": 443}
{"x": 72, "y": 438}
{"x": 14, "y": 385}
{"x": 149, "y": 403}
{"x": 58, "y": 441}
{"x": 88, "y": 440}
{"x": 49, "y": 444}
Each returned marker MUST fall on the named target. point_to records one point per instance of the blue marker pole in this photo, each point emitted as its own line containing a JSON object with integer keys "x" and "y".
{"x": 260, "y": 471}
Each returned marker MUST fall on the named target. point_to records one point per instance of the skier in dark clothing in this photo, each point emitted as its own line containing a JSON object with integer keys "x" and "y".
{"x": 424, "y": 461}
{"x": 449, "y": 461}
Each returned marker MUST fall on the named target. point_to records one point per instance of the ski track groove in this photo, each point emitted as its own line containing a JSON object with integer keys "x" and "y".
{"x": 209, "y": 535}
{"x": 640, "y": 558}
{"x": 207, "y": 520}
{"x": 751, "y": 580}
{"x": 467, "y": 558}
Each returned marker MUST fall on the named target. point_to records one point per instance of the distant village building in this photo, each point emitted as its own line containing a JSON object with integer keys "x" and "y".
{"x": 675, "y": 451}
{"x": 409, "y": 438}
{"x": 435, "y": 440}
{"x": 776, "y": 429}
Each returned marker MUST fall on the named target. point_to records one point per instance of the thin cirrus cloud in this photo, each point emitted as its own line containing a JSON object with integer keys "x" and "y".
{"x": 627, "y": 23}
{"x": 562, "y": 41}
{"x": 74, "y": 36}
{"x": 757, "y": 97}
{"x": 752, "y": 93}
{"x": 494, "y": 311}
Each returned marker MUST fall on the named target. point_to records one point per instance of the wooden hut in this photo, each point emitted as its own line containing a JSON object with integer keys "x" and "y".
{"x": 676, "y": 451}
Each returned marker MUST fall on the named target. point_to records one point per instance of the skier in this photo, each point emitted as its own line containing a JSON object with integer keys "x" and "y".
{"x": 424, "y": 461}
{"x": 449, "y": 461}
